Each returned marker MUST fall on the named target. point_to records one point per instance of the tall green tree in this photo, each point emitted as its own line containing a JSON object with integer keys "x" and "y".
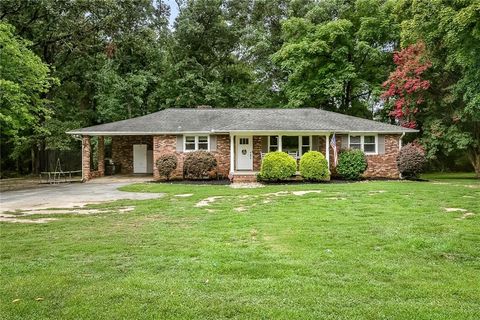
{"x": 338, "y": 55}
{"x": 81, "y": 40}
{"x": 451, "y": 32}
{"x": 24, "y": 82}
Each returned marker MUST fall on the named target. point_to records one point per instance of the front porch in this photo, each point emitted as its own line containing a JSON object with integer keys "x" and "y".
{"x": 239, "y": 155}
{"x": 248, "y": 149}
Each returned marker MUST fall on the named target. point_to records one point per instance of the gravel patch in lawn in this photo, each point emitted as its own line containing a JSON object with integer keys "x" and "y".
{"x": 184, "y": 195}
{"x": 14, "y": 219}
{"x": 455, "y": 209}
{"x": 18, "y": 217}
{"x": 301, "y": 193}
{"x": 246, "y": 185}
{"x": 207, "y": 201}
{"x": 465, "y": 215}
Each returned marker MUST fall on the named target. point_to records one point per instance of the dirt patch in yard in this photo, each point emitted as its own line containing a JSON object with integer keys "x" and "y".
{"x": 18, "y": 217}
{"x": 250, "y": 185}
{"x": 14, "y": 219}
{"x": 455, "y": 209}
{"x": 465, "y": 216}
{"x": 301, "y": 193}
{"x": 207, "y": 201}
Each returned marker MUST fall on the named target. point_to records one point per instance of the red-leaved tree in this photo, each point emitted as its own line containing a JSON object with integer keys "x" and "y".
{"x": 405, "y": 89}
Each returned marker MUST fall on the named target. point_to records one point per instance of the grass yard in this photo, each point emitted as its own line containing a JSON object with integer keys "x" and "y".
{"x": 368, "y": 250}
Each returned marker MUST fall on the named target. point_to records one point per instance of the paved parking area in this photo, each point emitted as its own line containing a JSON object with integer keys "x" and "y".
{"x": 72, "y": 194}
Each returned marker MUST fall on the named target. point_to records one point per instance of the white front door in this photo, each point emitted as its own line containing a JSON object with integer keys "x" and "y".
{"x": 244, "y": 153}
{"x": 139, "y": 158}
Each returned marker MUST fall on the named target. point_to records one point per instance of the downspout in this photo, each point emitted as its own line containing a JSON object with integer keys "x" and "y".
{"x": 400, "y": 148}
{"x": 400, "y": 141}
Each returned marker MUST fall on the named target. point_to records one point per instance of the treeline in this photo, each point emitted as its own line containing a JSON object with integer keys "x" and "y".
{"x": 67, "y": 64}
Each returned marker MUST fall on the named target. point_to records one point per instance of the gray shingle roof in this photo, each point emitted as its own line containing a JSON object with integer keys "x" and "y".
{"x": 175, "y": 120}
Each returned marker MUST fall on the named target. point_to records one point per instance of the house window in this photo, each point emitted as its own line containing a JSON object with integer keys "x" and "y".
{"x": 193, "y": 143}
{"x": 190, "y": 143}
{"x": 369, "y": 145}
{"x": 305, "y": 144}
{"x": 202, "y": 143}
{"x": 366, "y": 143}
{"x": 272, "y": 143}
{"x": 295, "y": 145}
{"x": 355, "y": 142}
{"x": 290, "y": 144}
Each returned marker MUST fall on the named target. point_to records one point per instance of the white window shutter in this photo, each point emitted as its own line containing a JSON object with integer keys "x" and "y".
{"x": 179, "y": 143}
{"x": 213, "y": 143}
{"x": 381, "y": 144}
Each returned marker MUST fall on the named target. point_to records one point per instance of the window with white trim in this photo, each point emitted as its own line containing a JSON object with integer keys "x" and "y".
{"x": 290, "y": 144}
{"x": 194, "y": 143}
{"x": 272, "y": 143}
{"x": 305, "y": 144}
{"x": 366, "y": 143}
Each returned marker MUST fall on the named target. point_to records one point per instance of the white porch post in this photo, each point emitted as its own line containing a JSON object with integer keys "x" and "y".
{"x": 327, "y": 149}
{"x": 279, "y": 143}
{"x": 232, "y": 159}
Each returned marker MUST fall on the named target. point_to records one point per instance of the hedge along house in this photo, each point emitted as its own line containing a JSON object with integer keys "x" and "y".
{"x": 239, "y": 138}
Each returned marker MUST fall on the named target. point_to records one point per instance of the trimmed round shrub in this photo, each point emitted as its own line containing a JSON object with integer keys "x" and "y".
{"x": 166, "y": 164}
{"x": 277, "y": 166}
{"x": 352, "y": 163}
{"x": 199, "y": 165}
{"x": 314, "y": 167}
{"x": 411, "y": 160}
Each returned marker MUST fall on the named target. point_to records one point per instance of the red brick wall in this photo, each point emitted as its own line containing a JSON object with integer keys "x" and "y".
{"x": 167, "y": 144}
{"x": 122, "y": 150}
{"x": 385, "y": 165}
{"x": 379, "y": 166}
{"x": 257, "y": 153}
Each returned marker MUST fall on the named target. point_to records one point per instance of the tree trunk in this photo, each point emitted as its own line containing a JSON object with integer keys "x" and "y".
{"x": 32, "y": 152}
{"x": 474, "y": 156}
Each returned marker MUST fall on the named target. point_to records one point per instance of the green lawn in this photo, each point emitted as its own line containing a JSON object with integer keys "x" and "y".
{"x": 368, "y": 250}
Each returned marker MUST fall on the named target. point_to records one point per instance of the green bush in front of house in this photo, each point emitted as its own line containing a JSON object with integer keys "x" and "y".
{"x": 314, "y": 167}
{"x": 277, "y": 166}
{"x": 352, "y": 163}
{"x": 199, "y": 165}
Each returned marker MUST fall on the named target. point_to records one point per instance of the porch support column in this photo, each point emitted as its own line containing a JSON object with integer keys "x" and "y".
{"x": 279, "y": 143}
{"x": 232, "y": 156}
{"x": 327, "y": 149}
{"x": 157, "y": 153}
{"x": 101, "y": 156}
{"x": 86, "y": 151}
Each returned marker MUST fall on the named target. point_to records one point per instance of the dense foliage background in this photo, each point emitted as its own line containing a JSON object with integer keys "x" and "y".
{"x": 67, "y": 64}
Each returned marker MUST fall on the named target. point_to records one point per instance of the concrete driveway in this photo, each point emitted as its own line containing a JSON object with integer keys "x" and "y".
{"x": 72, "y": 194}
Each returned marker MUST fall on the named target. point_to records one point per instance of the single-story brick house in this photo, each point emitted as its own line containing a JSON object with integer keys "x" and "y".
{"x": 239, "y": 138}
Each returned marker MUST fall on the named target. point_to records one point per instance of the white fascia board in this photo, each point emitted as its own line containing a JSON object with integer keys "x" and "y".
{"x": 131, "y": 133}
{"x": 236, "y": 132}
